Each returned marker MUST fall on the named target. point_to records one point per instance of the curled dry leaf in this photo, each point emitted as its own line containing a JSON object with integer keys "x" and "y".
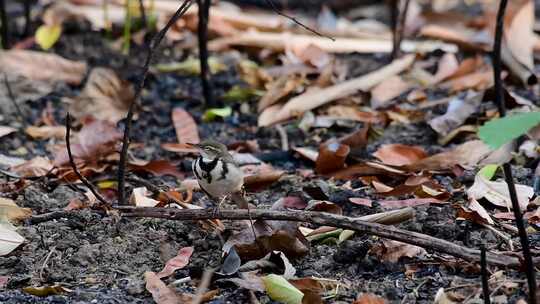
{"x": 178, "y": 262}
{"x": 331, "y": 157}
{"x": 95, "y": 140}
{"x": 497, "y": 192}
{"x": 139, "y": 198}
{"x": 105, "y": 97}
{"x": 519, "y": 33}
{"x": 478, "y": 80}
{"x": 475, "y": 213}
{"x": 311, "y": 288}
{"x": 448, "y": 65}
{"x": 46, "y": 132}
{"x": 42, "y": 66}
{"x": 392, "y": 251}
{"x": 185, "y": 126}
{"x": 457, "y": 113}
{"x": 400, "y": 155}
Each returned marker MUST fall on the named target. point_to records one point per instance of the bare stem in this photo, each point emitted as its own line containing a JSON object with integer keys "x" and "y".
{"x": 138, "y": 89}
{"x": 204, "y": 15}
{"x": 5, "y": 27}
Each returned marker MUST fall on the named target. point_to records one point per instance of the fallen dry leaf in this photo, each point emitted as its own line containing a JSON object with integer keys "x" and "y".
{"x": 519, "y": 33}
{"x": 497, "y": 192}
{"x": 104, "y": 97}
{"x": 5, "y": 130}
{"x": 157, "y": 167}
{"x": 96, "y": 139}
{"x": 399, "y": 155}
{"x": 308, "y": 53}
{"x": 278, "y": 89}
{"x": 458, "y": 111}
{"x": 185, "y": 127}
{"x": 161, "y": 293}
{"x": 479, "y": 80}
{"x": 10, "y": 211}
{"x": 311, "y": 288}
{"x": 412, "y": 202}
{"x": 178, "y": 262}
{"x": 139, "y": 198}
{"x": 9, "y": 238}
{"x": 475, "y": 213}
{"x": 331, "y": 157}
{"x": 46, "y": 132}
{"x": 387, "y": 90}
{"x": 369, "y": 298}
{"x": 37, "y": 166}
{"x": 42, "y": 66}
{"x": 392, "y": 251}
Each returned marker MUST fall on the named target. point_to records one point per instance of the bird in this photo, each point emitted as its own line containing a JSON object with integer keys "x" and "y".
{"x": 218, "y": 175}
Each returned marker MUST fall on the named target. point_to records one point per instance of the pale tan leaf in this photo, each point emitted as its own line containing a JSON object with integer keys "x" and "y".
{"x": 161, "y": 293}
{"x": 278, "y": 89}
{"x": 519, "y": 35}
{"x": 185, "y": 126}
{"x": 37, "y": 166}
{"x": 139, "y": 198}
{"x": 497, "y": 192}
{"x": 46, "y": 132}
{"x": 6, "y": 130}
{"x": 387, "y": 90}
{"x": 105, "y": 97}
{"x": 392, "y": 251}
{"x": 42, "y": 66}
{"x": 447, "y": 66}
{"x": 9, "y": 238}
{"x": 10, "y": 211}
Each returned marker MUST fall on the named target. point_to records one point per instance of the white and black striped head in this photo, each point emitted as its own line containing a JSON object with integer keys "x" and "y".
{"x": 210, "y": 149}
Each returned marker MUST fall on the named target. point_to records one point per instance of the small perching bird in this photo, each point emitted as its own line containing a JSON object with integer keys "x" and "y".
{"x": 218, "y": 174}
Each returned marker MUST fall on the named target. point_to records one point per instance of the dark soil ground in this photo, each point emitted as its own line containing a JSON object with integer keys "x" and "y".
{"x": 102, "y": 258}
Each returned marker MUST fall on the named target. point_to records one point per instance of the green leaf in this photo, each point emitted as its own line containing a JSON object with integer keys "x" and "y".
{"x": 324, "y": 235}
{"x": 488, "y": 171}
{"x": 191, "y": 66}
{"x": 238, "y": 93}
{"x": 212, "y": 113}
{"x": 47, "y": 35}
{"x": 498, "y": 132}
{"x": 345, "y": 235}
{"x": 281, "y": 290}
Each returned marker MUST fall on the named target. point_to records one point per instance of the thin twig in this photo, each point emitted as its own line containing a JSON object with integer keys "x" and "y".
{"x": 293, "y": 19}
{"x": 484, "y": 273}
{"x": 394, "y": 15}
{"x": 27, "y": 17}
{"x": 45, "y": 263}
{"x": 4, "y": 29}
{"x": 13, "y": 100}
{"x": 204, "y": 15}
{"x": 326, "y": 219}
{"x": 284, "y": 138}
{"x": 74, "y": 166}
{"x": 138, "y": 89}
{"x": 143, "y": 14}
{"x": 507, "y": 169}
{"x": 400, "y": 31}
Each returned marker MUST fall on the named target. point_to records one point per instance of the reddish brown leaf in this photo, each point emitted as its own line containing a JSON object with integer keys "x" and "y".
{"x": 368, "y": 298}
{"x": 37, "y": 166}
{"x": 185, "y": 126}
{"x": 157, "y": 167}
{"x": 311, "y": 289}
{"x": 475, "y": 213}
{"x": 399, "y": 155}
{"x": 331, "y": 157}
{"x": 178, "y": 262}
{"x": 361, "y": 201}
{"x": 392, "y": 251}
{"x": 161, "y": 293}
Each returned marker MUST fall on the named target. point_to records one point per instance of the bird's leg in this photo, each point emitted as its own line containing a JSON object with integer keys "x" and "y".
{"x": 216, "y": 209}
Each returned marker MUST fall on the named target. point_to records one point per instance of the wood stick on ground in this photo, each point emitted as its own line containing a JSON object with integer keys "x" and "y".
{"x": 326, "y": 219}
{"x": 138, "y": 90}
{"x": 507, "y": 169}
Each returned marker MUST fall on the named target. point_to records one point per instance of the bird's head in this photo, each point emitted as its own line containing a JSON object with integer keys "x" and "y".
{"x": 210, "y": 149}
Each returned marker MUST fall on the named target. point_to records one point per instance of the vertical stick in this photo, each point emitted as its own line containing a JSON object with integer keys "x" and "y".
{"x": 204, "y": 14}
{"x": 401, "y": 26}
{"x": 5, "y": 27}
{"x": 394, "y": 14}
{"x": 27, "y": 17}
{"x": 499, "y": 100}
{"x": 138, "y": 89}
{"x": 484, "y": 273}
{"x": 143, "y": 14}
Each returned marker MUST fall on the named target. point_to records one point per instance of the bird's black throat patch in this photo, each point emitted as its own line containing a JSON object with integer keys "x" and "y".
{"x": 207, "y": 167}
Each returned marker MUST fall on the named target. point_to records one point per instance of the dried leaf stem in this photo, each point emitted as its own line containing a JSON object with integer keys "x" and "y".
{"x": 326, "y": 219}
{"x": 74, "y": 166}
{"x": 138, "y": 89}
{"x": 507, "y": 169}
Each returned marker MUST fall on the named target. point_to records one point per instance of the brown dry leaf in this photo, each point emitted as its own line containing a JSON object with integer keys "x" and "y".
{"x": 105, "y": 97}
{"x": 459, "y": 35}
{"x": 307, "y": 153}
{"x": 161, "y": 293}
{"x": 157, "y": 167}
{"x": 369, "y": 298}
{"x": 413, "y": 202}
{"x": 316, "y": 98}
{"x": 497, "y": 192}
{"x": 392, "y": 251}
{"x": 95, "y": 140}
{"x": 478, "y": 81}
{"x": 46, "y": 132}
{"x": 357, "y": 139}
{"x": 278, "y": 89}
{"x": 37, "y": 166}
{"x": 331, "y": 157}
{"x": 185, "y": 127}
{"x": 399, "y": 155}
{"x": 5, "y": 130}
{"x": 353, "y": 113}
{"x": 468, "y": 154}
{"x": 324, "y": 206}
{"x": 387, "y": 90}
{"x": 448, "y": 65}
{"x": 260, "y": 176}
{"x": 10, "y": 211}
{"x": 42, "y": 66}
{"x": 178, "y": 262}
{"x": 475, "y": 213}
{"x": 311, "y": 288}
{"x": 519, "y": 35}
{"x": 468, "y": 66}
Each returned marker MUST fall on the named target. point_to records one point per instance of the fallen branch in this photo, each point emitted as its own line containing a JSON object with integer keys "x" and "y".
{"x": 326, "y": 219}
